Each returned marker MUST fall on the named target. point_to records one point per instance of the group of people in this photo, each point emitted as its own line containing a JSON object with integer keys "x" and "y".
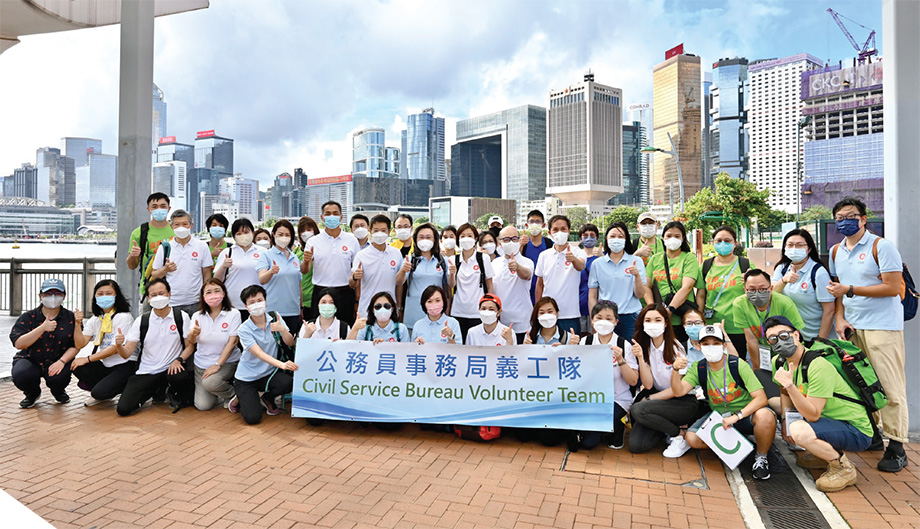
{"x": 219, "y": 320}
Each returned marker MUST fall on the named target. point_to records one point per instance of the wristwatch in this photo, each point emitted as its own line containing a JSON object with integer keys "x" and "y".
{"x": 740, "y": 414}
{"x": 850, "y": 293}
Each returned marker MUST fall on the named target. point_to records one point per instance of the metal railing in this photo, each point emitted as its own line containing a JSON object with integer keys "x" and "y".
{"x": 21, "y": 279}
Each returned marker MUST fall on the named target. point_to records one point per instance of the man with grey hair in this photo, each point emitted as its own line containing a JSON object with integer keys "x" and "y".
{"x": 511, "y": 282}
{"x": 185, "y": 261}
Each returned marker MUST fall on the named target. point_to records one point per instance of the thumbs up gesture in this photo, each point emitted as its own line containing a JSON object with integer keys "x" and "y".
{"x": 119, "y": 337}
{"x": 307, "y": 254}
{"x": 275, "y": 268}
{"x": 228, "y": 262}
{"x": 277, "y": 326}
{"x": 633, "y": 270}
{"x": 574, "y": 338}
{"x": 512, "y": 265}
{"x": 791, "y": 276}
{"x": 308, "y": 329}
{"x": 508, "y": 335}
{"x": 569, "y": 255}
{"x": 171, "y": 266}
{"x": 359, "y": 273}
{"x": 645, "y": 250}
{"x": 49, "y": 325}
{"x": 527, "y": 339}
{"x": 637, "y": 350}
{"x": 407, "y": 265}
{"x": 447, "y": 332}
{"x": 680, "y": 363}
{"x": 196, "y": 330}
{"x": 78, "y": 316}
{"x": 135, "y": 250}
{"x": 452, "y": 267}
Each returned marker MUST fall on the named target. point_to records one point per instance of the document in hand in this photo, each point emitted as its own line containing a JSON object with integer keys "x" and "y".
{"x": 730, "y": 445}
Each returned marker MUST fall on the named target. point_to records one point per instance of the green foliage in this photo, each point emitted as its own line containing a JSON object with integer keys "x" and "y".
{"x": 269, "y": 222}
{"x": 735, "y": 198}
{"x": 421, "y": 220}
{"x": 774, "y": 220}
{"x": 578, "y": 217}
{"x": 817, "y": 212}
{"x": 482, "y": 223}
{"x": 626, "y": 214}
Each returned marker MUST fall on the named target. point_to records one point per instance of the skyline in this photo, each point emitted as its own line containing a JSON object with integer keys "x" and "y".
{"x": 298, "y": 109}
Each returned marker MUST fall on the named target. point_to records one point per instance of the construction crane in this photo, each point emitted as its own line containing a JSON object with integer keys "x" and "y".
{"x": 866, "y": 50}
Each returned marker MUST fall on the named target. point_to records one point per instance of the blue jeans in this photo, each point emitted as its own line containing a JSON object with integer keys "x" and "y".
{"x": 626, "y": 326}
{"x": 842, "y": 435}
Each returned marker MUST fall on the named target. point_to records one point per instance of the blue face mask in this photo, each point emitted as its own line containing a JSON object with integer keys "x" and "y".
{"x": 217, "y": 232}
{"x": 332, "y": 222}
{"x": 105, "y": 302}
{"x": 159, "y": 215}
{"x": 693, "y": 331}
{"x": 589, "y": 242}
{"x": 847, "y": 227}
{"x": 796, "y": 254}
{"x": 724, "y": 248}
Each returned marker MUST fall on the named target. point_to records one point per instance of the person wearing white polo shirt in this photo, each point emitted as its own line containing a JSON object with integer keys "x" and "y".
{"x": 330, "y": 254}
{"x": 213, "y": 339}
{"x": 490, "y": 331}
{"x": 374, "y": 269}
{"x": 184, "y": 261}
{"x": 471, "y": 273}
{"x": 236, "y": 265}
{"x": 326, "y": 326}
{"x": 511, "y": 280}
{"x": 161, "y": 363}
{"x": 559, "y": 273}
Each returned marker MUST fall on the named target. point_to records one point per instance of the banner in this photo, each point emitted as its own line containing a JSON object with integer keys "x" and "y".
{"x": 729, "y": 445}
{"x": 533, "y": 386}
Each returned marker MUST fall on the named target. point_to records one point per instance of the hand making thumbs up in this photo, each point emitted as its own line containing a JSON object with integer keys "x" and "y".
{"x": 447, "y": 332}
{"x": 512, "y": 265}
{"x": 196, "y": 330}
{"x": 49, "y": 325}
{"x": 508, "y": 334}
{"x": 119, "y": 337}
{"x": 407, "y": 265}
{"x": 135, "y": 250}
{"x": 275, "y": 268}
{"x": 359, "y": 272}
{"x": 171, "y": 266}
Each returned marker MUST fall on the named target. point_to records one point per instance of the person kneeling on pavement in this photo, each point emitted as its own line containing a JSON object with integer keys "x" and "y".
{"x": 731, "y": 389}
{"x": 819, "y": 415}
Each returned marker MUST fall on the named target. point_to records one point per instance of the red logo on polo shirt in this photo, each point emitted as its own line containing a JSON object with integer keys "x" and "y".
{"x": 225, "y": 325}
{"x": 498, "y": 345}
{"x": 392, "y": 263}
{"x": 438, "y": 269}
{"x": 255, "y": 255}
{"x": 568, "y": 263}
{"x": 804, "y": 286}
{"x": 172, "y": 327}
{"x": 862, "y": 257}
{"x": 475, "y": 268}
{"x": 392, "y": 340}
{"x": 194, "y": 254}
{"x": 344, "y": 248}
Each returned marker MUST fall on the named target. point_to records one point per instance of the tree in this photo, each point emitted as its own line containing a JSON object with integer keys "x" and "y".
{"x": 626, "y": 214}
{"x": 269, "y": 222}
{"x": 774, "y": 220}
{"x": 482, "y": 223}
{"x": 816, "y": 212}
{"x": 421, "y": 220}
{"x": 578, "y": 217}
{"x": 734, "y": 198}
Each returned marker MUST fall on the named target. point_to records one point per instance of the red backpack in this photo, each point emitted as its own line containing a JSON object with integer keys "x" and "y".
{"x": 477, "y": 433}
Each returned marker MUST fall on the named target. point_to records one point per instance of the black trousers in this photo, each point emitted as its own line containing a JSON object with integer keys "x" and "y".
{"x": 140, "y": 388}
{"x": 653, "y": 419}
{"x": 740, "y": 344}
{"x": 105, "y": 382}
{"x": 344, "y": 302}
{"x": 247, "y": 393}
{"x": 28, "y": 374}
{"x": 466, "y": 324}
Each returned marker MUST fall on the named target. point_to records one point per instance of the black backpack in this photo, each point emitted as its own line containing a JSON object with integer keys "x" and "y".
{"x": 145, "y": 326}
{"x": 743, "y": 264}
{"x": 415, "y": 261}
{"x": 732, "y": 362}
{"x": 285, "y": 351}
{"x": 482, "y": 269}
{"x": 814, "y": 271}
{"x": 182, "y": 396}
{"x": 621, "y": 342}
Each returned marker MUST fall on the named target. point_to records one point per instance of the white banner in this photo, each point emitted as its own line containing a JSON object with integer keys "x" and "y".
{"x": 729, "y": 445}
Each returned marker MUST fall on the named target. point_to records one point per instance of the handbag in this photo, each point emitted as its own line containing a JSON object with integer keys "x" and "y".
{"x": 686, "y": 305}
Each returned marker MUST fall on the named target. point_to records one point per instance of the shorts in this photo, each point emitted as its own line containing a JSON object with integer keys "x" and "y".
{"x": 842, "y": 435}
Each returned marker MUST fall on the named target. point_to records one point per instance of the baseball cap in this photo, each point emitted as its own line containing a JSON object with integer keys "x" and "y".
{"x": 493, "y": 298}
{"x": 647, "y": 215}
{"x": 712, "y": 330}
{"x": 53, "y": 284}
{"x": 496, "y": 218}
{"x": 773, "y": 321}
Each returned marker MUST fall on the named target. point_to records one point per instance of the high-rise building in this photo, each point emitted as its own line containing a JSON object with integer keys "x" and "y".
{"x": 423, "y": 148}
{"x": 678, "y": 103}
{"x": 26, "y": 184}
{"x": 371, "y": 157}
{"x": 159, "y": 117}
{"x": 78, "y": 148}
{"x": 635, "y": 168}
{"x": 59, "y": 172}
{"x": 213, "y": 152}
{"x": 97, "y": 181}
{"x": 280, "y": 192}
{"x": 321, "y": 190}
{"x": 244, "y": 194}
{"x": 169, "y": 150}
{"x": 501, "y": 155}
{"x": 706, "y": 124}
{"x": 584, "y": 144}
{"x": 728, "y": 136}
{"x": 171, "y": 178}
{"x": 773, "y": 125}
{"x": 644, "y": 114}
{"x": 844, "y": 135}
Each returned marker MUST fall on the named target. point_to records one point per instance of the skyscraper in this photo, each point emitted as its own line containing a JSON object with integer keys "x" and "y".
{"x": 59, "y": 172}
{"x": 584, "y": 144}
{"x": 728, "y": 136}
{"x": 706, "y": 124}
{"x": 370, "y": 155}
{"x": 159, "y": 117}
{"x": 213, "y": 161}
{"x": 635, "y": 168}
{"x": 243, "y": 192}
{"x": 773, "y": 124}
{"x": 423, "y": 147}
{"x": 77, "y": 149}
{"x": 97, "y": 181}
{"x": 281, "y": 196}
{"x": 169, "y": 150}
{"x": 678, "y": 103}
{"x": 172, "y": 178}
{"x": 26, "y": 183}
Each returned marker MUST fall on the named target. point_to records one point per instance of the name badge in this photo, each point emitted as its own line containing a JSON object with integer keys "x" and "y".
{"x": 765, "y": 354}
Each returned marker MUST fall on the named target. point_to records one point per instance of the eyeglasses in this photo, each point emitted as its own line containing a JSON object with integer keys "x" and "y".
{"x": 757, "y": 290}
{"x": 852, "y": 216}
{"x": 511, "y": 239}
{"x": 694, "y": 322}
{"x": 783, "y": 335}
{"x": 797, "y": 246}
{"x": 378, "y": 306}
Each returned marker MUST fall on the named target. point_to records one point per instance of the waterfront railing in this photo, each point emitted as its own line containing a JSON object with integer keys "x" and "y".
{"x": 21, "y": 279}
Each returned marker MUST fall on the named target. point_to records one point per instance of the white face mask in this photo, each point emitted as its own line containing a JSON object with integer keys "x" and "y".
{"x": 383, "y": 315}
{"x": 403, "y": 233}
{"x": 488, "y": 316}
{"x": 654, "y": 329}
{"x": 467, "y": 243}
{"x": 282, "y": 242}
{"x": 182, "y": 232}
{"x": 449, "y": 244}
{"x": 379, "y": 237}
{"x": 510, "y": 248}
{"x": 712, "y": 353}
{"x": 159, "y": 302}
{"x": 534, "y": 229}
{"x": 547, "y": 320}
{"x": 673, "y": 243}
{"x": 425, "y": 245}
{"x": 561, "y": 237}
{"x": 616, "y": 245}
{"x": 360, "y": 233}
{"x": 243, "y": 239}
{"x": 52, "y": 302}
{"x": 604, "y": 327}
{"x": 489, "y": 247}
{"x": 256, "y": 309}
{"x": 305, "y": 236}
{"x": 264, "y": 243}
{"x": 648, "y": 230}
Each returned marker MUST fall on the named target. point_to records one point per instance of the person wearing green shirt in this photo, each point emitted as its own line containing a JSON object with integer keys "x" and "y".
{"x": 722, "y": 285}
{"x": 648, "y": 242}
{"x": 306, "y": 228}
{"x": 158, "y": 229}
{"x": 743, "y": 404}
{"x": 826, "y": 423}
{"x": 684, "y": 271}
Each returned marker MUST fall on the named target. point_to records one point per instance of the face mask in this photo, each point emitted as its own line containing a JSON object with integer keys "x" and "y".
{"x": 724, "y": 248}
{"x": 616, "y": 245}
{"x": 693, "y": 331}
{"x": 383, "y": 315}
{"x": 796, "y": 254}
{"x": 105, "y": 302}
{"x": 673, "y": 243}
{"x": 648, "y": 230}
{"x": 214, "y": 300}
{"x": 847, "y": 227}
{"x": 159, "y": 302}
{"x": 604, "y": 327}
{"x": 758, "y": 299}
{"x": 305, "y": 236}
{"x": 256, "y": 309}
{"x": 589, "y": 242}
{"x": 243, "y": 239}
{"x": 712, "y": 353}
{"x": 449, "y": 244}
{"x": 332, "y": 222}
{"x": 264, "y": 243}
{"x": 327, "y": 310}
{"x": 654, "y": 329}
{"x": 181, "y": 232}
{"x": 52, "y": 302}
{"x": 547, "y": 320}
{"x": 510, "y": 248}
{"x": 159, "y": 215}
{"x": 785, "y": 348}
{"x": 561, "y": 237}
{"x": 467, "y": 243}
{"x": 282, "y": 242}
{"x": 534, "y": 229}
{"x": 379, "y": 237}
{"x": 425, "y": 245}
{"x": 434, "y": 309}
{"x": 489, "y": 247}
{"x": 217, "y": 232}
{"x": 403, "y": 233}
{"x": 488, "y": 316}
{"x": 360, "y": 233}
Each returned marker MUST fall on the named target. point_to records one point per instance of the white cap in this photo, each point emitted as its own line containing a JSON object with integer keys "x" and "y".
{"x": 496, "y": 218}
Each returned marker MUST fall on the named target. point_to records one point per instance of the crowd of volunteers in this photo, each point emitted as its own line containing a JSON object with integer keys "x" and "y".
{"x": 220, "y": 318}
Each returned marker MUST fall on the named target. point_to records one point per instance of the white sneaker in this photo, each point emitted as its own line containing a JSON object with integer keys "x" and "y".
{"x": 677, "y": 448}
{"x": 92, "y": 402}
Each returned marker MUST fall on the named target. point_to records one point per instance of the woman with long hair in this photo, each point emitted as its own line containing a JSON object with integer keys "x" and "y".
{"x": 721, "y": 282}
{"x": 801, "y": 275}
{"x": 236, "y": 265}
{"x": 672, "y": 275}
{"x": 213, "y": 339}
{"x": 280, "y": 273}
{"x": 470, "y": 272}
{"x": 426, "y": 268}
{"x": 543, "y": 325}
{"x": 618, "y": 276}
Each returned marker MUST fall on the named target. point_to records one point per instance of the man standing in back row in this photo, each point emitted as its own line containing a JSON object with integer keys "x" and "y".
{"x": 330, "y": 254}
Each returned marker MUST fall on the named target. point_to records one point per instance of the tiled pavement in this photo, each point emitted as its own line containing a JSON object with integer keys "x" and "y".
{"x": 87, "y": 467}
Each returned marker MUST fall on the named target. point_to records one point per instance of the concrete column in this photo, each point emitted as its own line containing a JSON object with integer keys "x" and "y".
{"x": 900, "y": 20}
{"x": 135, "y": 126}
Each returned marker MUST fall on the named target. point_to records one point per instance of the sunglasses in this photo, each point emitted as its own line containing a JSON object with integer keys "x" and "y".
{"x": 784, "y": 335}
{"x": 379, "y": 306}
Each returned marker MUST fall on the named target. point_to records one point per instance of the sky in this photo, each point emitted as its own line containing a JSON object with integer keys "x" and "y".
{"x": 290, "y": 80}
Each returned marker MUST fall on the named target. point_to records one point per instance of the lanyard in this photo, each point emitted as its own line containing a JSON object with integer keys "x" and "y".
{"x": 725, "y": 279}
{"x": 724, "y": 382}
{"x": 766, "y": 314}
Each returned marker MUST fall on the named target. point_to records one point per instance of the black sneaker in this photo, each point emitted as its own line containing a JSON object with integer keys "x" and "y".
{"x": 616, "y": 439}
{"x": 159, "y": 396}
{"x": 28, "y": 402}
{"x": 761, "y": 468}
{"x": 62, "y": 397}
{"x": 893, "y": 460}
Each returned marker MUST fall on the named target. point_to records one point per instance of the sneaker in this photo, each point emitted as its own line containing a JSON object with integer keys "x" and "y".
{"x": 677, "y": 448}
{"x": 62, "y": 397}
{"x": 270, "y": 407}
{"x": 761, "y": 468}
{"x": 233, "y": 405}
{"x": 159, "y": 396}
{"x": 28, "y": 402}
{"x": 809, "y": 461}
{"x": 616, "y": 439}
{"x": 90, "y": 402}
{"x": 840, "y": 475}
{"x": 893, "y": 460}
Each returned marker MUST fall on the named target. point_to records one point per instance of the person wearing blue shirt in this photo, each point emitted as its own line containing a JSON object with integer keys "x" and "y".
{"x": 533, "y": 243}
{"x": 588, "y": 234}
{"x": 280, "y": 273}
{"x": 379, "y": 325}
{"x": 543, "y": 325}
{"x": 619, "y": 276}
{"x": 867, "y": 284}
{"x": 427, "y": 267}
{"x": 800, "y": 275}
{"x": 259, "y": 368}
{"x": 435, "y": 326}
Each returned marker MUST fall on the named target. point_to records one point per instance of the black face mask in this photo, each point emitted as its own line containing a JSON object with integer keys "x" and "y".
{"x": 785, "y": 348}
{"x": 495, "y": 230}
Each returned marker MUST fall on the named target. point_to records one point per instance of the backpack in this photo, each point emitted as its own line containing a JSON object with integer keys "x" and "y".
{"x": 477, "y": 433}
{"x": 732, "y": 362}
{"x": 909, "y": 295}
{"x": 343, "y": 328}
{"x": 148, "y": 271}
{"x": 814, "y": 271}
{"x": 743, "y": 264}
{"x": 482, "y": 269}
{"x": 415, "y": 261}
{"x": 621, "y": 342}
{"x": 145, "y": 325}
{"x": 285, "y": 351}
